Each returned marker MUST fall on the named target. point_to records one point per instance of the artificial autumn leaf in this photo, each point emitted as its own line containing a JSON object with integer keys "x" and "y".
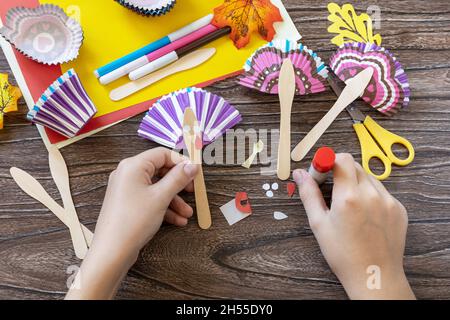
{"x": 247, "y": 16}
{"x": 349, "y": 26}
{"x": 8, "y": 97}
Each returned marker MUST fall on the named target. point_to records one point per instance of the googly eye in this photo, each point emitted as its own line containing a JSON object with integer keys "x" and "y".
{"x": 269, "y": 194}
{"x": 275, "y": 186}
{"x": 266, "y": 186}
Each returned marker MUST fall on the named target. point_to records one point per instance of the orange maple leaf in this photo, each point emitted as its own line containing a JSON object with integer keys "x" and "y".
{"x": 245, "y": 17}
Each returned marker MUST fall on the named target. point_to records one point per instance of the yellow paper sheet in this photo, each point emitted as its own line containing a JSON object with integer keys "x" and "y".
{"x": 112, "y": 31}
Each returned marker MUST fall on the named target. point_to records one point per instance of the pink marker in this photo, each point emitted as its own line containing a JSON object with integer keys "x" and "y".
{"x": 164, "y": 55}
{"x": 168, "y": 54}
{"x": 322, "y": 164}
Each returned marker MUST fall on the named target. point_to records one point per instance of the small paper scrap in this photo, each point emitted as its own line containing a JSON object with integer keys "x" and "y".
{"x": 257, "y": 148}
{"x": 279, "y": 215}
{"x": 231, "y": 212}
{"x": 267, "y": 188}
{"x": 8, "y": 97}
{"x": 291, "y": 187}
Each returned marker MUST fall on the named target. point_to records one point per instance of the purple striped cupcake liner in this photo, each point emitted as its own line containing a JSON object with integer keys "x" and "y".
{"x": 163, "y": 123}
{"x": 64, "y": 107}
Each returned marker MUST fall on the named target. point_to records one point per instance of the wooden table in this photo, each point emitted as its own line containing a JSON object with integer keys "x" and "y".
{"x": 258, "y": 258}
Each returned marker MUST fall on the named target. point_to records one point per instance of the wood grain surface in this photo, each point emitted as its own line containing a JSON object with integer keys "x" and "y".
{"x": 258, "y": 258}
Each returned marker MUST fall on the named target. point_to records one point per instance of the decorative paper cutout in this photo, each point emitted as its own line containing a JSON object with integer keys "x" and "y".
{"x": 242, "y": 202}
{"x": 389, "y": 88}
{"x": 349, "y": 26}
{"x": 257, "y": 148}
{"x": 237, "y": 209}
{"x": 64, "y": 107}
{"x": 270, "y": 188}
{"x": 262, "y": 69}
{"x": 163, "y": 122}
{"x": 247, "y": 16}
{"x": 149, "y": 8}
{"x": 45, "y": 33}
{"x": 9, "y": 95}
{"x": 279, "y": 215}
{"x": 291, "y": 187}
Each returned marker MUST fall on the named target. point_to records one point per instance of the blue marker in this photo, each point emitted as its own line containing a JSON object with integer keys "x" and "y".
{"x": 158, "y": 44}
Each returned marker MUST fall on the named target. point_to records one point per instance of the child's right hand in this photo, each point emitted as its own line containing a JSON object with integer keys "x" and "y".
{"x": 365, "y": 228}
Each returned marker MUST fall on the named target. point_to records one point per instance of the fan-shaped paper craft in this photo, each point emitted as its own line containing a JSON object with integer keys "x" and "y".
{"x": 262, "y": 69}
{"x": 64, "y": 107}
{"x": 164, "y": 121}
{"x": 149, "y": 7}
{"x": 349, "y": 26}
{"x": 389, "y": 88}
{"x": 45, "y": 33}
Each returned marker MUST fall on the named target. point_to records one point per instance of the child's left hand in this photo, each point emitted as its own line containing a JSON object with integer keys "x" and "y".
{"x": 142, "y": 192}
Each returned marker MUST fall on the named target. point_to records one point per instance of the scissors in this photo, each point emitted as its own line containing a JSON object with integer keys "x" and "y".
{"x": 376, "y": 142}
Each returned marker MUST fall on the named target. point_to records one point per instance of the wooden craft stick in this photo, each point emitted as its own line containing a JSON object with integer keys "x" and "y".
{"x": 58, "y": 169}
{"x": 34, "y": 189}
{"x": 354, "y": 89}
{"x": 191, "y": 136}
{"x": 286, "y": 93}
{"x": 187, "y": 62}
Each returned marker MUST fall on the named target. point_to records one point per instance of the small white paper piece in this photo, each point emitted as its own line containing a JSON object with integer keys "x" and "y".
{"x": 269, "y": 194}
{"x": 232, "y": 214}
{"x": 275, "y": 186}
{"x": 266, "y": 186}
{"x": 258, "y": 147}
{"x": 279, "y": 215}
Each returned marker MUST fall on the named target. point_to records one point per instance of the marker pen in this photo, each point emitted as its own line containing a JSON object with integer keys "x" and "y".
{"x": 322, "y": 164}
{"x": 130, "y": 60}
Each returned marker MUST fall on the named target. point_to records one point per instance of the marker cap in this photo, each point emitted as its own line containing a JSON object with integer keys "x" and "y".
{"x": 324, "y": 160}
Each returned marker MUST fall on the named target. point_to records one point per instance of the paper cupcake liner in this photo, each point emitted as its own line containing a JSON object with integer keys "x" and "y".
{"x": 164, "y": 121}
{"x": 44, "y": 34}
{"x": 262, "y": 69}
{"x": 148, "y": 7}
{"x": 64, "y": 107}
{"x": 389, "y": 88}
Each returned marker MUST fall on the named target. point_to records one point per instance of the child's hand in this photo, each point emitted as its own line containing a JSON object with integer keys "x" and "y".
{"x": 364, "y": 229}
{"x": 142, "y": 192}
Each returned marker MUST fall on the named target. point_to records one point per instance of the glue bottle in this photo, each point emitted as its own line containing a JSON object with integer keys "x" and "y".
{"x": 322, "y": 164}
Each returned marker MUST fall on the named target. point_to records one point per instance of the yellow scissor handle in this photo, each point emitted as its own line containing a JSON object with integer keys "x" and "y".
{"x": 387, "y": 139}
{"x": 370, "y": 150}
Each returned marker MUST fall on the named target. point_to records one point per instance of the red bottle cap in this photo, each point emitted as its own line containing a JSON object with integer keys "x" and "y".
{"x": 324, "y": 160}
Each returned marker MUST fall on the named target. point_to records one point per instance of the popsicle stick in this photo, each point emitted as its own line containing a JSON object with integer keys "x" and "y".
{"x": 34, "y": 189}
{"x": 201, "y": 198}
{"x": 354, "y": 89}
{"x": 187, "y": 62}
{"x": 58, "y": 169}
{"x": 286, "y": 93}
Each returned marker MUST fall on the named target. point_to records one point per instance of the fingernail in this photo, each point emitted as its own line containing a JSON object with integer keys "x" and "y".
{"x": 190, "y": 169}
{"x": 299, "y": 176}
